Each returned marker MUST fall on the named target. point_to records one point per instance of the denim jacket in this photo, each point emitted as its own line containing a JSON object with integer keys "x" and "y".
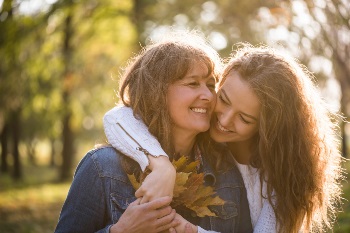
{"x": 101, "y": 191}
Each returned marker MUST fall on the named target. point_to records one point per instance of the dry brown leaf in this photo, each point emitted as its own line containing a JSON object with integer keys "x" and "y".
{"x": 189, "y": 189}
{"x": 134, "y": 182}
{"x": 181, "y": 179}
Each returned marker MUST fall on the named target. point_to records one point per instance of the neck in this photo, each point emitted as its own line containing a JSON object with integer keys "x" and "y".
{"x": 241, "y": 151}
{"x": 183, "y": 144}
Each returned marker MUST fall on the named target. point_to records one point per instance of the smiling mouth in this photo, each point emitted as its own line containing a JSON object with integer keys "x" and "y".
{"x": 222, "y": 128}
{"x": 199, "y": 110}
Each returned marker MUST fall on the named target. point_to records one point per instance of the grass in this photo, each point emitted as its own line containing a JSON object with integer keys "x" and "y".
{"x": 33, "y": 205}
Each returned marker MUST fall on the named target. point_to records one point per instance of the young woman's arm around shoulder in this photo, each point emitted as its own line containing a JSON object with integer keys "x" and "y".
{"x": 131, "y": 136}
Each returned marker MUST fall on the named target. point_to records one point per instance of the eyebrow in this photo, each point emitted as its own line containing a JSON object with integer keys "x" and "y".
{"x": 202, "y": 77}
{"x": 243, "y": 113}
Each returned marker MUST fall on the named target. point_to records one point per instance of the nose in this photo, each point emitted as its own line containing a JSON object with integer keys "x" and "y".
{"x": 224, "y": 114}
{"x": 207, "y": 94}
{"x": 225, "y": 118}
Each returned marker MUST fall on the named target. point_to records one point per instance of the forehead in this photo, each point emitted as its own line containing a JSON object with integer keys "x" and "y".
{"x": 240, "y": 94}
{"x": 200, "y": 70}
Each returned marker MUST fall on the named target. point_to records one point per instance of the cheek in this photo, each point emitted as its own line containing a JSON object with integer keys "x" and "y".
{"x": 218, "y": 106}
{"x": 251, "y": 131}
{"x": 245, "y": 130}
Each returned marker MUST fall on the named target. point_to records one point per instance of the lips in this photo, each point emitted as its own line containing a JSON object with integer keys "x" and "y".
{"x": 222, "y": 128}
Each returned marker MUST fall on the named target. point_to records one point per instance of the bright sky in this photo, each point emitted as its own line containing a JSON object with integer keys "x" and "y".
{"x": 28, "y": 7}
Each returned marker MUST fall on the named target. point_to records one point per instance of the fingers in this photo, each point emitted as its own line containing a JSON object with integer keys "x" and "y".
{"x": 168, "y": 222}
{"x": 144, "y": 199}
{"x": 158, "y": 203}
{"x": 188, "y": 228}
{"x": 146, "y": 194}
{"x": 136, "y": 202}
{"x": 166, "y": 219}
{"x": 140, "y": 192}
{"x": 163, "y": 211}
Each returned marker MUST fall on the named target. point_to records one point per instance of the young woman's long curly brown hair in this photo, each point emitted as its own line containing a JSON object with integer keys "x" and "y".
{"x": 297, "y": 150}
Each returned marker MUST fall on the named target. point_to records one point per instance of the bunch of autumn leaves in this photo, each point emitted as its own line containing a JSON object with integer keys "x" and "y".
{"x": 189, "y": 190}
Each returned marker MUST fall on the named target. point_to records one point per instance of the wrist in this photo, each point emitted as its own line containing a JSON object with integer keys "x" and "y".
{"x": 116, "y": 228}
{"x": 160, "y": 163}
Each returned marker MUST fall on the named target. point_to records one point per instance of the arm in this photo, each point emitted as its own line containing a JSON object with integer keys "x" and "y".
{"x": 83, "y": 209}
{"x": 131, "y": 136}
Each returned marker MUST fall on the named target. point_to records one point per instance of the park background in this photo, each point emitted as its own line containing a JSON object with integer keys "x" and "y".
{"x": 59, "y": 67}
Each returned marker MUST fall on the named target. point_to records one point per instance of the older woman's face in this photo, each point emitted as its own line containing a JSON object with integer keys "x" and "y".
{"x": 191, "y": 101}
{"x": 236, "y": 115}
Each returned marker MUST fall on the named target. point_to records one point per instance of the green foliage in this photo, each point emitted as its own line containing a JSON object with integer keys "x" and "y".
{"x": 32, "y": 64}
{"x": 32, "y": 205}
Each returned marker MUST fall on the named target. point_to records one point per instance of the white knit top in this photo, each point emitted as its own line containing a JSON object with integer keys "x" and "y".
{"x": 261, "y": 212}
{"x": 128, "y": 135}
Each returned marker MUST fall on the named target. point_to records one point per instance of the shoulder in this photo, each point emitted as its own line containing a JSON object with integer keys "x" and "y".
{"x": 106, "y": 161}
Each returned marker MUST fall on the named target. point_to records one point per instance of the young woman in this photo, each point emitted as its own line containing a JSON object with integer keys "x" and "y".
{"x": 281, "y": 135}
{"x": 171, "y": 87}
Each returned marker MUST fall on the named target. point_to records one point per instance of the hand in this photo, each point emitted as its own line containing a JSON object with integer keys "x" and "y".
{"x": 160, "y": 182}
{"x": 184, "y": 226}
{"x": 154, "y": 216}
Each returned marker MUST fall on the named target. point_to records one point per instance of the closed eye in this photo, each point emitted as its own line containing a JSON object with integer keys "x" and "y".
{"x": 193, "y": 84}
{"x": 244, "y": 120}
{"x": 222, "y": 99}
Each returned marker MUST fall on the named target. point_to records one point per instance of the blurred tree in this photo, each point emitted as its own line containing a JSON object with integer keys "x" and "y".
{"x": 10, "y": 91}
{"x": 320, "y": 31}
{"x": 38, "y": 51}
{"x": 24, "y": 78}
{"x": 67, "y": 133}
{"x": 4, "y": 150}
{"x": 333, "y": 18}
{"x": 96, "y": 37}
{"x": 223, "y": 22}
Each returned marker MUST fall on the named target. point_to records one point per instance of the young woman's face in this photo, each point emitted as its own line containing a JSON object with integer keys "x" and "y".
{"x": 236, "y": 115}
{"x": 191, "y": 101}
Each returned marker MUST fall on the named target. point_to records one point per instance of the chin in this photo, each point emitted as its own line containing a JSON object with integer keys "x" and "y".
{"x": 216, "y": 136}
{"x": 204, "y": 129}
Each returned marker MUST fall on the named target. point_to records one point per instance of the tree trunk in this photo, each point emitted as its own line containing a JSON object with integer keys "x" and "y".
{"x": 68, "y": 149}
{"x": 67, "y": 134}
{"x": 4, "y": 149}
{"x": 137, "y": 17}
{"x": 16, "y": 130}
{"x": 53, "y": 153}
{"x": 343, "y": 105}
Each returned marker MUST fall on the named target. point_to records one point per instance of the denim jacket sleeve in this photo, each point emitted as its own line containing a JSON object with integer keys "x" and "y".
{"x": 84, "y": 208}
